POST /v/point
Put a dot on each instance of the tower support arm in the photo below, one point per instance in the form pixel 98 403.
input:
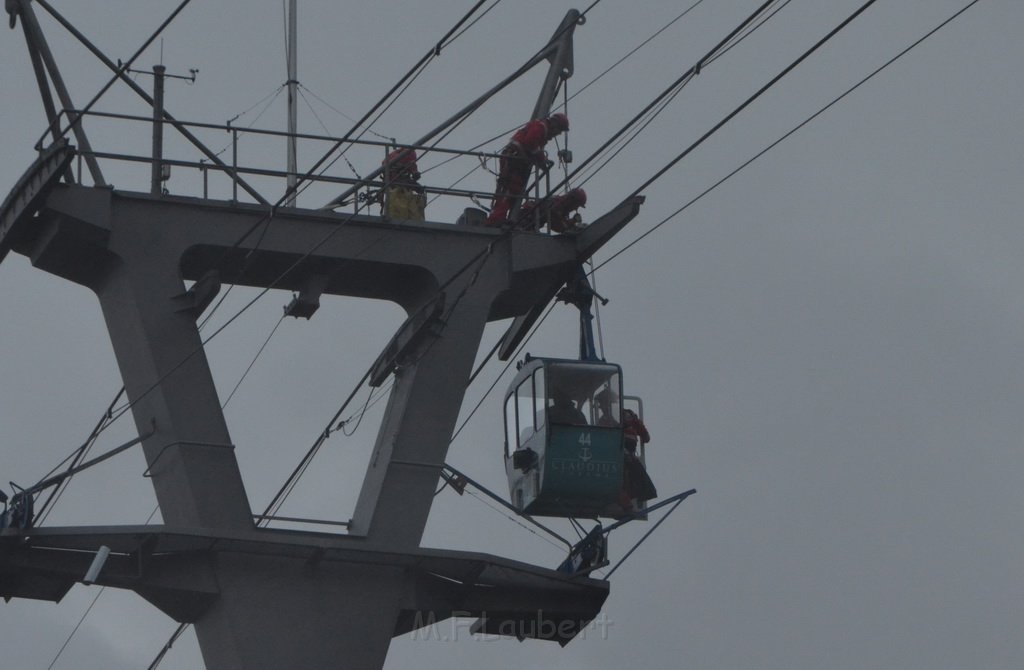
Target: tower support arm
pixel 412 443
pixel 37 41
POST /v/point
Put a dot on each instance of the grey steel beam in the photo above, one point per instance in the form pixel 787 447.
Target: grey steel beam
pixel 123 76
pixel 44 87
pixel 313 598
pixel 30 191
pixel 37 41
pixel 559 53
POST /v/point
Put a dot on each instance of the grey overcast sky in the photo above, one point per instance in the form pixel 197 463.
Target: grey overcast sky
pixel 828 345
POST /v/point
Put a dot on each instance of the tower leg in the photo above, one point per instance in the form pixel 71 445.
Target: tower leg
pixel 190 457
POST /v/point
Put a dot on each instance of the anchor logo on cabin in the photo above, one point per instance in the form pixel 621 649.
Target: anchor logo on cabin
pixel 585 454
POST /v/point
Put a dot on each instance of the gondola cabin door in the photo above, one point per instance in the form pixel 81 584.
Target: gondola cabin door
pixel 563 438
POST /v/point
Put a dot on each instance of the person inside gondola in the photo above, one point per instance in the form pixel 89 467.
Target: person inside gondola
pixel 563 410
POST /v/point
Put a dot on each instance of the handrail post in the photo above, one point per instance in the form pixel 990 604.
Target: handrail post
pixel 234 164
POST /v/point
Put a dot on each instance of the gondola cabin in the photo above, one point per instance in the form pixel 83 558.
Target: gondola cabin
pixel 564 438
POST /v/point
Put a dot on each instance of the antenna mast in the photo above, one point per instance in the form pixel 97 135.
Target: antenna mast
pixel 293 84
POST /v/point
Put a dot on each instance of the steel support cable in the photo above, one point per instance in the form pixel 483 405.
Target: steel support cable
pixel 647 117
pixel 788 134
pixel 521 524
pixel 414 71
pixel 746 103
pixel 584 176
pixel 73 461
pixel 92 604
pixel 267 101
pixel 282 494
pixel 316 116
pixel 672 87
pixel 646 535
pixel 501 501
pixel 371 400
pixel 253 362
pixel 749 32
pixel 337 111
pixel 655 113
pixel 74 630
pixel 733 43
pixel 635 49
pixel 167 646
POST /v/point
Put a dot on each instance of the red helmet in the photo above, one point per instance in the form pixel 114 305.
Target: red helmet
pixel 557 123
pixel 578 197
pixel 402 160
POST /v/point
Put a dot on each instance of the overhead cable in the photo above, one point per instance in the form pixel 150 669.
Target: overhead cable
pixel 791 132
pixel 672 87
pixel 774 80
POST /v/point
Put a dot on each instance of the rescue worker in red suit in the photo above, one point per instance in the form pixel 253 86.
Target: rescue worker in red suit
pixel 636 483
pixel 523 152
pixel 557 213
